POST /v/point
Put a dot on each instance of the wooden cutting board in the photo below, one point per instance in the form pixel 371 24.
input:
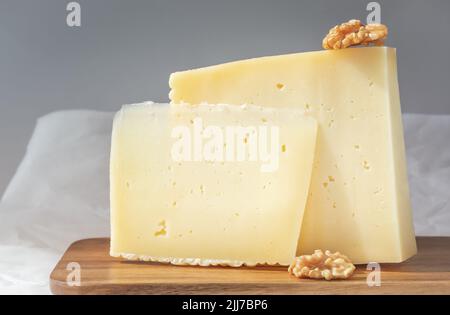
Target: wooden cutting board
pixel 426 273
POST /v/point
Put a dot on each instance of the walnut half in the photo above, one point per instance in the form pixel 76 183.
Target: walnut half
pixel 322 265
pixel 353 33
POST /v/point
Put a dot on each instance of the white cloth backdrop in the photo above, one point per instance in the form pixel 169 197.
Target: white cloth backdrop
pixel 60 191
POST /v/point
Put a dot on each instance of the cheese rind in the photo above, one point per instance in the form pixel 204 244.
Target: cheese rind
pixel 203 212
pixel 359 200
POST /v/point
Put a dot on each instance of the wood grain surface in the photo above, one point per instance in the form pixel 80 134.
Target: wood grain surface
pixel 426 273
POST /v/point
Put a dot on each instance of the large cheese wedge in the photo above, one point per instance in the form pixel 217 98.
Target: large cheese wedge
pixel 209 185
pixel 359 201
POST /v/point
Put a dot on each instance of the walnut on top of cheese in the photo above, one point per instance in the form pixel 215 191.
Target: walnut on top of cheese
pixel 353 33
pixel 322 265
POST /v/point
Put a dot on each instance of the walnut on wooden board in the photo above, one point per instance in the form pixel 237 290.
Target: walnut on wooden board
pixel 322 265
pixel 353 33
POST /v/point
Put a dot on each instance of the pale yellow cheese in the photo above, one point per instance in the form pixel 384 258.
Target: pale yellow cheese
pixel 359 200
pixel 200 209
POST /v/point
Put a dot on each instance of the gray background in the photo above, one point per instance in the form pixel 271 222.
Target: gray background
pixel 124 51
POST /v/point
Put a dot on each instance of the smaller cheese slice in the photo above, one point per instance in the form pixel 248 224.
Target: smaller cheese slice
pixel 209 185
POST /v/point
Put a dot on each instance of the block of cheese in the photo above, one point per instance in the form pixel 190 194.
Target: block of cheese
pixel 209 185
pixel 359 200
